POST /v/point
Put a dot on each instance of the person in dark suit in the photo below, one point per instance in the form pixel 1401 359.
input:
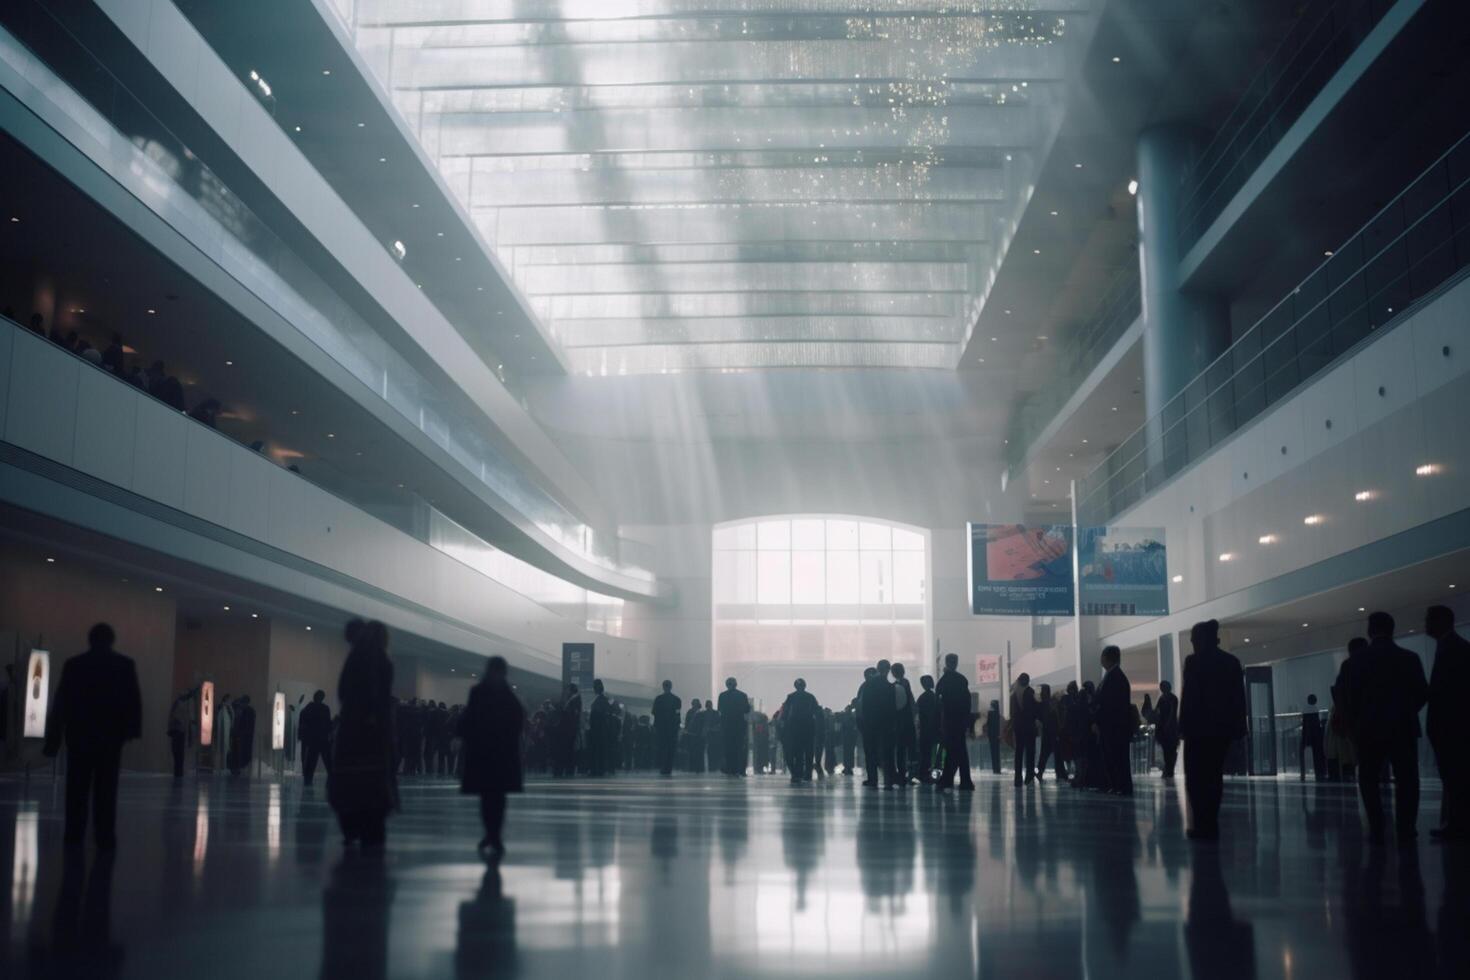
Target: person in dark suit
pixel 1211 717
pixel 1023 729
pixel 600 733
pixel 242 736
pixel 1449 682
pixel 314 732
pixel 1385 691
pixel 694 736
pixel 1048 723
pixel 953 690
pixel 1113 717
pixel 992 735
pixel 905 749
pixel 879 713
pixel 1312 740
pixel 799 719
pixel 97 708
pixel 926 706
pixel 666 727
pixel 734 707
pixel 491 726
pixel 1166 726
pixel 362 784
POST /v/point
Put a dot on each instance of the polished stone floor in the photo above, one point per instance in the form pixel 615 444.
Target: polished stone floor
pixel 703 877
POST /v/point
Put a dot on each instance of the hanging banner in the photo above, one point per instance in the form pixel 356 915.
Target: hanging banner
pixel 38 693
pixel 1021 570
pixel 987 670
pixel 206 713
pixel 278 722
pixel 577 665
pixel 1123 571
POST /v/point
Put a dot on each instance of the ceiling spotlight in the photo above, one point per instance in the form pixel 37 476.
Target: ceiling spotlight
pixel 158 588
pixel 1077 166
pixel 382 159
pixel 255 615
pixel 1226 555
pixel 326 71
pixel 1363 495
pixel 297 128
pixel 50 561
pixel 1328 253
pixel 1036 251
pixel 229 363
pixel 1305 625
pixel 14 220
pixel 400 251
pixel 439 234
pixel 1267 539
pixel 1426 469
pixel 1133 188
pixel 361 125
pixel 331 435
pixel 1312 520
pixel 1054 214
pixel 1117 60
pixel 226 608
pixel 308 629
pixel 151 311
pixel 1177 579
pixel 1362 609
pixel 1247 639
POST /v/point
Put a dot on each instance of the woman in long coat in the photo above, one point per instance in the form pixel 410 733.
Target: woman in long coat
pixel 362 786
pixel 491 728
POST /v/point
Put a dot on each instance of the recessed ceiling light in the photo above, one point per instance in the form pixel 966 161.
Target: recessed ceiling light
pixel 1267 539
pixel 1363 495
pixel 1116 59
pixel 1362 609
pixel 1007 312
pixel 382 159
pixel 308 629
pixel 331 435
pixel 295 412
pixel 993 339
pixel 297 128
pixel 1077 166
pixel 1426 469
pixel 1247 639
pixel 151 311
pixel 1132 188
pixel 326 71
pixel 439 234
pixel 1084 442
pixel 226 608
pixel 980 360
pixel 1226 555
pixel 229 363
pixel 1305 625
pixel 255 615
pixel 1328 253
pixel 361 125
pixel 413 205
pixel 1178 578
pixel 1115 408
pixel 1054 214
pixel 14 220
pixel 51 561
pixel 1036 251
pixel 1311 520
pixel 158 588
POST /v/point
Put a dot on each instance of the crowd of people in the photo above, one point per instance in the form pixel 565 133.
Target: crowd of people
pixel 905 740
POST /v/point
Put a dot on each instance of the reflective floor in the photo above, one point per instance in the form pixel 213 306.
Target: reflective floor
pixel 700 877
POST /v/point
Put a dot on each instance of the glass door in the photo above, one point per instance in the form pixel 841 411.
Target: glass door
pixel 1260 703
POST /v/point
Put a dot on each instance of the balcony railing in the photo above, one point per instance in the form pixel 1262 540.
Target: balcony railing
pixel 1417 242
pixel 1317 45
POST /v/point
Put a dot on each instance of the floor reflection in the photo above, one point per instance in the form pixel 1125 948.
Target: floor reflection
pixel 713 877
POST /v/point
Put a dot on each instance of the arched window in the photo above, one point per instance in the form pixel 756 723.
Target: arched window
pixel 819 597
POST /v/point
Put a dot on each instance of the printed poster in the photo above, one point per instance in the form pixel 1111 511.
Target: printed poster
pixel 1021 570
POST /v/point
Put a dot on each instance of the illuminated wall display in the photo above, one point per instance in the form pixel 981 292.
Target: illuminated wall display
pixel 38 693
pixel 206 713
pixel 278 722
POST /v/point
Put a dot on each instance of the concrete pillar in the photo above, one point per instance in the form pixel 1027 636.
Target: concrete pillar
pixel 1168 660
pixel 1182 332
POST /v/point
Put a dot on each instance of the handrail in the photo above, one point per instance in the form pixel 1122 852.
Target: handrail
pixel 1296 71
pixel 1412 245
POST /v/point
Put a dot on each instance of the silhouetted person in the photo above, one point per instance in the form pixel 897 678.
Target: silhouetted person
pixel 1023 728
pixel 1048 727
pixel 992 735
pixel 1166 726
pixel 361 784
pixel 1449 685
pixel 694 736
pixel 38 325
pixel 905 749
pixel 571 731
pixel 1114 719
pixel 314 732
pixel 1312 740
pixel 600 733
pixel 1212 715
pixel 926 706
pixel 799 718
pixel 242 736
pixel 953 691
pixel 491 728
pixel 96 709
pixel 179 719
pixel 714 741
pixel 666 727
pixel 849 729
pixel 734 707
pixel 878 711
pixel 1385 690
pixel 112 357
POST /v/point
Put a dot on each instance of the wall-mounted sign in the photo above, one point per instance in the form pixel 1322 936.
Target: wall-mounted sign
pixel 987 670
pixel 278 722
pixel 577 665
pixel 38 693
pixel 206 713
pixel 1123 571
pixel 1021 570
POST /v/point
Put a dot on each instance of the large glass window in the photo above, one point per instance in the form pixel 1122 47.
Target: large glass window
pixel 817 597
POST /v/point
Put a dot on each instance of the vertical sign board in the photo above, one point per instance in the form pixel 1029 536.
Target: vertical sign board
pixel 1122 571
pixel 1021 570
pixel 577 665
pixel 206 713
pixel 278 722
pixel 38 693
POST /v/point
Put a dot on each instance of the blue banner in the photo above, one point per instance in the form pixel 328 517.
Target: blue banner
pixel 1021 570
pixel 1123 571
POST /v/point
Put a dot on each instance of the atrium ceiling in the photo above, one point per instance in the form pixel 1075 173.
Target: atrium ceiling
pixel 695 184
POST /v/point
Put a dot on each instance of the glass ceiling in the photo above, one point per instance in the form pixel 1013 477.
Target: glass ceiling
pixel 728 184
